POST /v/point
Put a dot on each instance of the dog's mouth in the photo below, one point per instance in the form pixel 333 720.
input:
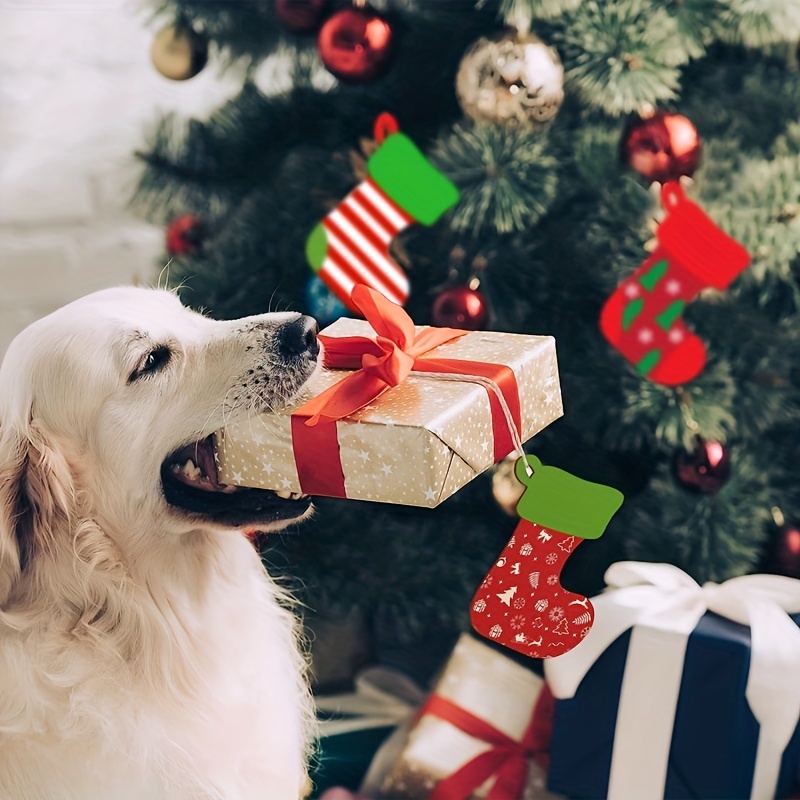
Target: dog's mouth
pixel 190 482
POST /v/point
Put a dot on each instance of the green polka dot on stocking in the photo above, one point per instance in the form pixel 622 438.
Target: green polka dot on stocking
pixel 670 314
pixel 648 362
pixel 654 275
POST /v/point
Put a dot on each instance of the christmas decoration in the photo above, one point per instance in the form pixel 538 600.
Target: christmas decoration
pixel 785 550
pixel 478 727
pixel 422 440
pixel 355 44
pixel 321 302
pixel 662 147
pixel 460 307
pixel 734 730
pixel 510 79
pixel 507 490
pixel 179 52
pixel 521 603
pixel 705 468
pixel 642 319
pixel 782 554
pixel 351 245
pixel 300 16
pixel 185 235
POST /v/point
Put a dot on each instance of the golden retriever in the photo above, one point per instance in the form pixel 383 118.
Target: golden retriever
pixel 145 654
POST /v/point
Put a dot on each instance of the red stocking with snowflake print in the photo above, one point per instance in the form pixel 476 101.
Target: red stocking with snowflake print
pixel 521 603
pixel 522 600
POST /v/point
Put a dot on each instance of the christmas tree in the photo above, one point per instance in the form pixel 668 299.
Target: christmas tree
pixel 558 121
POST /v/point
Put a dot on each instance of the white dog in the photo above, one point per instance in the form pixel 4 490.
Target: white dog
pixel 144 652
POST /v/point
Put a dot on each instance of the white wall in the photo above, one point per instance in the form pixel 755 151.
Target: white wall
pixel 76 92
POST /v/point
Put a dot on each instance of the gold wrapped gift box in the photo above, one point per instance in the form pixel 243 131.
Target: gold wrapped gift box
pixel 420 441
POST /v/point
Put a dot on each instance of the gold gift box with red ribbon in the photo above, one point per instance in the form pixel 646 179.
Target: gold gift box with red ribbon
pixel 478 736
pixel 403 414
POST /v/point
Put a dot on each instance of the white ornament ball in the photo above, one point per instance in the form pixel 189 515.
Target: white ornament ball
pixel 511 79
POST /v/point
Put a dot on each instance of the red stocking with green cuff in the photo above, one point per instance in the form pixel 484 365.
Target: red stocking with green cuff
pixel 642 319
pixel 521 603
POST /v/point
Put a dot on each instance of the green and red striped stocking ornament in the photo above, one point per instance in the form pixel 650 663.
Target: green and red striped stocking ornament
pixel 643 318
pixel 351 245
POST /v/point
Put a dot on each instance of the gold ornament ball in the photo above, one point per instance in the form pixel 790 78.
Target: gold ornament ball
pixel 507 490
pixel 512 79
pixel 179 52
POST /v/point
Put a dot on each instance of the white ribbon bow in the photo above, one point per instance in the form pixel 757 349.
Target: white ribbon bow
pixel 383 697
pixel 664 605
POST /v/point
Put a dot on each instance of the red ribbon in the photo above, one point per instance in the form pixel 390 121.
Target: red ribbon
pixel 379 365
pixel 508 758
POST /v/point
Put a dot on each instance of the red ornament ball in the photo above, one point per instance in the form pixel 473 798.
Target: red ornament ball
pixel 300 16
pixel 185 235
pixel 460 307
pixel 705 468
pixel 785 551
pixel 663 147
pixel 355 44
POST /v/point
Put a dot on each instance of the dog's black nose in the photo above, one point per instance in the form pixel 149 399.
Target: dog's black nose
pixel 298 337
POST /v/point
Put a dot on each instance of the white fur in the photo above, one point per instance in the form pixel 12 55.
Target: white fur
pixel 143 655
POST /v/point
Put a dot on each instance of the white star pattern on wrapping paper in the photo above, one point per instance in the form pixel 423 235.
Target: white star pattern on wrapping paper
pixel 364 456
pixel 631 290
pixel 386 469
pixel 675 335
pixel 286 483
pixel 645 336
pixel 267 467
pixel 430 494
pixel 237 477
pixel 258 437
pixel 672 287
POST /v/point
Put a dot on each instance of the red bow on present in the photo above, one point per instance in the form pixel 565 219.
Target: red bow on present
pixel 380 364
pixel 507 758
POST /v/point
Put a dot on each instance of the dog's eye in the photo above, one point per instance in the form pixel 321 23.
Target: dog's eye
pixel 154 361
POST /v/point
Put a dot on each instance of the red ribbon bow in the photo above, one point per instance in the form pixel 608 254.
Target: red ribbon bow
pixel 380 364
pixel 507 758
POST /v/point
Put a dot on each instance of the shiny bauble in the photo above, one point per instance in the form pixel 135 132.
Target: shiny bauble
pixel 506 488
pixel 784 551
pixel 460 307
pixel 185 235
pixel 663 147
pixel 179 52
pixel 355 44
pixel 705 468
pixel 300 16
pixel 322 304
pixel 512 79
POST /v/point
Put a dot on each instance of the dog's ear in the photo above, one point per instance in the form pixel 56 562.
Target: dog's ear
pixel 37 498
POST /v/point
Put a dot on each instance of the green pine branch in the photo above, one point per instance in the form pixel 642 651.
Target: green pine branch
pixel 507 177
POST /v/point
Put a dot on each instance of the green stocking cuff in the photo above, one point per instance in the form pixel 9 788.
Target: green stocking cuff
pixel 401 170
pixel 556 499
